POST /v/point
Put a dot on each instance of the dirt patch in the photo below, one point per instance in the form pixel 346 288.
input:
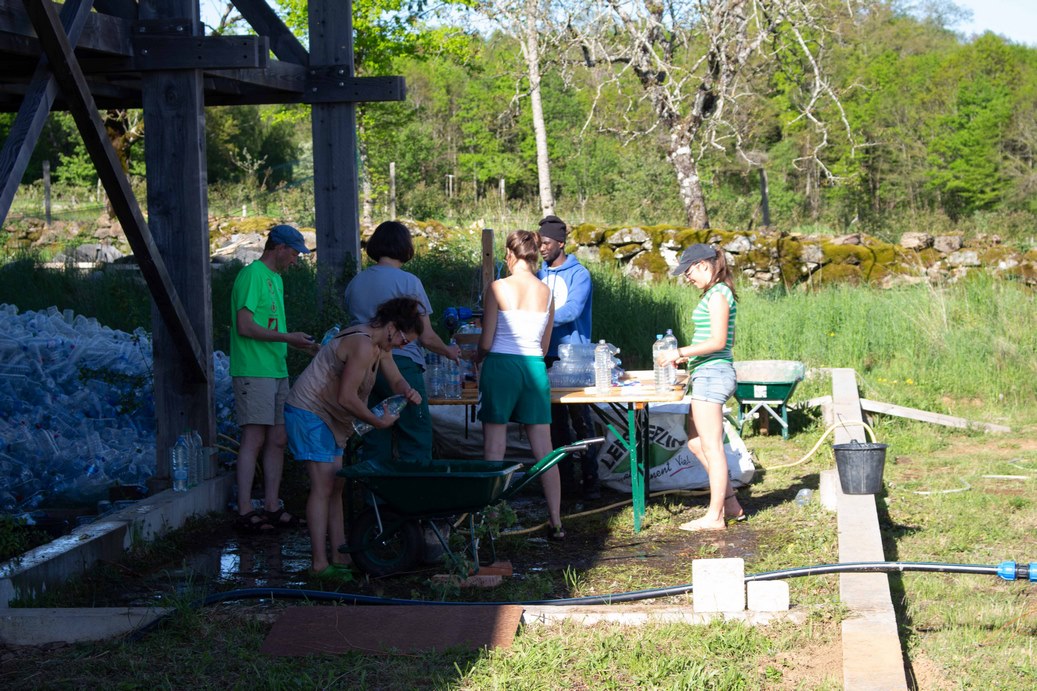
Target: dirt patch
pixel 811 666
pixel 925 674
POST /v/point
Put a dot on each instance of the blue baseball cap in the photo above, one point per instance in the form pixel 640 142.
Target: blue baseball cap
pixel 287 235
pixel 694 254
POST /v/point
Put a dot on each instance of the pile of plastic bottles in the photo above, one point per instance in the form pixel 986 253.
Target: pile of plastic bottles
pixel 77 413
pixel 575 365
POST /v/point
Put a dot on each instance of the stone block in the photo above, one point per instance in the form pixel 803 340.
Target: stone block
pixel 916 241
pixel 945 244
pixel 767 596
pixel 719 585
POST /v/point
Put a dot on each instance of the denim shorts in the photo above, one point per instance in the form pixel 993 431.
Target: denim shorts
pixel 309 439
pixel 713 382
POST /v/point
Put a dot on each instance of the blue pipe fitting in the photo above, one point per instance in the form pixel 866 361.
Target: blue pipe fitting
pixel 1009 571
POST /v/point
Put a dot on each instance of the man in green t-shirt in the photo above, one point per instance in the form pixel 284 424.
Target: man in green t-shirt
pixel 258 346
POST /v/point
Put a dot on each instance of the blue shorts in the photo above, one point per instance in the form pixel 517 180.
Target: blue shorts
pixel 309 439
pixel 713 382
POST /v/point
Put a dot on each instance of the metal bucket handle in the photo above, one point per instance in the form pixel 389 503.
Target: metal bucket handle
pixel 548 462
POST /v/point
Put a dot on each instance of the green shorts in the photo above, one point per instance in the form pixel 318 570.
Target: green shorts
pixel 514 388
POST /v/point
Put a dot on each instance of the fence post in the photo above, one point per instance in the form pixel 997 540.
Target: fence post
pixel 46 192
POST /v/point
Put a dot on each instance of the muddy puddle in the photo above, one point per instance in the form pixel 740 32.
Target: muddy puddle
pixel 216 558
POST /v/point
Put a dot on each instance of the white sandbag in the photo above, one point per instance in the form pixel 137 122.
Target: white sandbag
pixel 450 439
pixel 670 464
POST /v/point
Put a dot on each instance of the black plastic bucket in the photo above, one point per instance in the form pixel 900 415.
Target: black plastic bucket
pixel 860 467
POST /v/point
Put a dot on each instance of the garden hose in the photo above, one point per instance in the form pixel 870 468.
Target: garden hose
pixel 1006 570
pixel 841 423
pixel 591 512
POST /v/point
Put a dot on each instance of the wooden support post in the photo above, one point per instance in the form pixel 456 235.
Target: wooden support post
pixel 174 117
pixel 334 155
pixel 32 115
pixel 70 78
pixel 488 260
pixel 392 190
pixel 46 193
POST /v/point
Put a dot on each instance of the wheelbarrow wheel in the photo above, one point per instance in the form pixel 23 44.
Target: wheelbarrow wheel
pixel 381 554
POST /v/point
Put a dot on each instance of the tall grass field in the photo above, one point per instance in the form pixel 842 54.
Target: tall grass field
pixel 954 349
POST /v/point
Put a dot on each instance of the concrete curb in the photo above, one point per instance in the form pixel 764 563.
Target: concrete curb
pixel 32 626
pixel 108 539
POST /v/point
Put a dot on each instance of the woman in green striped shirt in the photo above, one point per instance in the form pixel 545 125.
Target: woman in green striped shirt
pixel 712 377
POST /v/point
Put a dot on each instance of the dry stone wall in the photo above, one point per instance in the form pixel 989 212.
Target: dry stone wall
pixel 765 259
pixel 770 258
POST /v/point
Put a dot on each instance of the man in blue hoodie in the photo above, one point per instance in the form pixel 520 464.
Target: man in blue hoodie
pixel 570 284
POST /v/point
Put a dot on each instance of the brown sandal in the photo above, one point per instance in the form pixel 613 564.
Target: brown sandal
pixel 254 522
pixel 282 519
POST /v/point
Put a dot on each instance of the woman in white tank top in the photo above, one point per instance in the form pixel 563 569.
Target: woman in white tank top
pixel 518 313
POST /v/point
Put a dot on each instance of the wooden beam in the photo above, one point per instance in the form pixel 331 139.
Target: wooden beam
pixel 32 115
pixel 329 84
pixel 73 85
pixel 199 52
pixel 336 207
pixel 174 150
pixel 266 23
pixel 103 33
pixel 926 416
pixel 125 9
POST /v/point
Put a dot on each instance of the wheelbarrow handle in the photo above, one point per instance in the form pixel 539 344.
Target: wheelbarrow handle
pixel 546 463
pixel 582 444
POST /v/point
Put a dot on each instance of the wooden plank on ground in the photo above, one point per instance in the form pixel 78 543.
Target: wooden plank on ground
pixel 846 406
pixel 872 658
pixel 926 416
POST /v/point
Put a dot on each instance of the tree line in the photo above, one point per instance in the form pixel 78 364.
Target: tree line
pixel 730 113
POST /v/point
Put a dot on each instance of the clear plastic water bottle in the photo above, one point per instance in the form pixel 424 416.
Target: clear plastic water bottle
pixel 180 461
pixel 451 377
pixel 393 404
pixel 330 333
pixel 803 496
pixel 658 369
pixel 196 471
pixel 671 345
pixel 602 367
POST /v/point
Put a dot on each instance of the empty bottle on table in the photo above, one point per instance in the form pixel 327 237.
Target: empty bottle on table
pixel 658 369
pixel 602 367
pixel 393 404
pixel 180 460
pixel 671 345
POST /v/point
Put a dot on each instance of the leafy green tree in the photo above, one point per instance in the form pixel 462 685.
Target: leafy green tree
pixel 966 156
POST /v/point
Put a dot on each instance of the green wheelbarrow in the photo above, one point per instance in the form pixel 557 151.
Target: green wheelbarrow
pixel 766 384
pixel 389 535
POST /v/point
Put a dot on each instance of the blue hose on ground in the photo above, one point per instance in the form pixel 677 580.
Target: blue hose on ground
pixel 1007 570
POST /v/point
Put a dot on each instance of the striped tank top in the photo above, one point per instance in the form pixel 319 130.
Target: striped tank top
pixel 700 320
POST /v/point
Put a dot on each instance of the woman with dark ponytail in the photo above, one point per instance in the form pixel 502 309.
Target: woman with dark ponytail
pixel 518 313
